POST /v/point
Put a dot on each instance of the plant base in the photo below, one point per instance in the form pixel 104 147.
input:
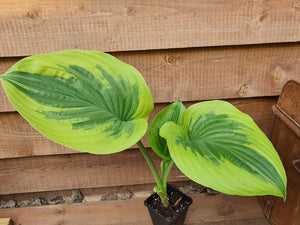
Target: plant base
pixel 175 213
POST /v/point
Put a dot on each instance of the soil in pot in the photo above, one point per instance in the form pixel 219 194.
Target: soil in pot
pixel 175 213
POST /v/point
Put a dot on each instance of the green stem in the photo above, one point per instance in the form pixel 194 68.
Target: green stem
pixel 167 166
pixel 150 163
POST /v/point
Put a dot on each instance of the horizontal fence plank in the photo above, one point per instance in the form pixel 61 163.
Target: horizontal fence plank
pixel 209 210
pixel 34 27
pixel 207 73
pixel 64 172
pixel 19 139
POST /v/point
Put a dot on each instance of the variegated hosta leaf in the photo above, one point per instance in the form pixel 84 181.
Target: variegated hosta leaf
pixel 89 101
pixel 222 148
pixel 174 113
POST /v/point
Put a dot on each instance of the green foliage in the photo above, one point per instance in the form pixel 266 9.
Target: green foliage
pixel 222 148
pixel 174 113
pixel 93 102
pixel 99 105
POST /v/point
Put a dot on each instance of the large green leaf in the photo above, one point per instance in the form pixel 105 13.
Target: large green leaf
pixel 222 148
pixel 86 100
pixel 174 113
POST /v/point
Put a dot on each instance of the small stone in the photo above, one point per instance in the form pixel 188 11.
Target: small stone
pixel 142 194
pixel 192 189
pixel 92 198
pixel 35 202
pixel 44 202
pixel 2 204
pixel 109 197
pixel 11 204
pixel 77 196
pixel 24 203
pixel 212 191
pixel 8 204
pixel 68 200
pixel 56 200
pixel 125 196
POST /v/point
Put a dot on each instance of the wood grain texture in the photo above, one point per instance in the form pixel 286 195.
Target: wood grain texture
pixel 207 73
pixel 208 210
pixel 64 172
pixel 289 102
pixel 19 139
pixel 34 27
pixel 286 139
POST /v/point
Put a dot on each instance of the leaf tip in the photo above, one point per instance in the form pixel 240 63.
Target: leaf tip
pixel 284 194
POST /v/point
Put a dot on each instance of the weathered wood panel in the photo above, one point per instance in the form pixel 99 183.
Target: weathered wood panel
pixel 166 41
pixel 34 27
pixel 207 73
pixel 19 139
pixel 63 172
pixel 286 138
pixel 207 210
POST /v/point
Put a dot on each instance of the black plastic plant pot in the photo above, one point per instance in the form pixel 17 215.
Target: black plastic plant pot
pixel 175 213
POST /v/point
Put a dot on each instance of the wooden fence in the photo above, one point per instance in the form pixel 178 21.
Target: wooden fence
pixel 242 51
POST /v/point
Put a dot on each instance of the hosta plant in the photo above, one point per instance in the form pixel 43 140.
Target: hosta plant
pixel 93 102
